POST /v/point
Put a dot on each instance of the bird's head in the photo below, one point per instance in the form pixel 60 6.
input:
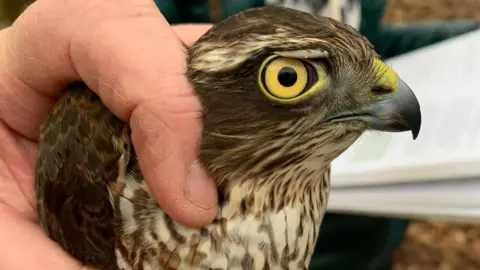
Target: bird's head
pixel 281 87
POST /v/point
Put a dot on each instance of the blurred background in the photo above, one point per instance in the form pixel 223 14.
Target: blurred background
pixel 428 245
pixel 401 11
pixel 398 11
pixel 439 245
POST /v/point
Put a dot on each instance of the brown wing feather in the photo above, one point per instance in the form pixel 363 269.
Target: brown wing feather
pixel 77 161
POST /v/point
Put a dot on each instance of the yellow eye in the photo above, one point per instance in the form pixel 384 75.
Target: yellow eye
pixel 286 79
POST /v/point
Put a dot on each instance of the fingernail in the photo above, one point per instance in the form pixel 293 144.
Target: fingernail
pixel 201 189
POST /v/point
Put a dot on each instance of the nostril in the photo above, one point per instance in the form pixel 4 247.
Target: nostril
pixel 378 90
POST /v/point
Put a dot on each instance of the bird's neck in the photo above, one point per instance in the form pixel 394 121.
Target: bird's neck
pixel 303 189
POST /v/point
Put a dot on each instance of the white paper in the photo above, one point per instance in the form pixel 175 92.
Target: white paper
pixel 452 200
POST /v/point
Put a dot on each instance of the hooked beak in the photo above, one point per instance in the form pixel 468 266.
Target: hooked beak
pixel 395 110
pixel 400 112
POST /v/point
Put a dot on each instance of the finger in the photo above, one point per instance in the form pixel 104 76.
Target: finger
pixel 127 53
pixel 24 246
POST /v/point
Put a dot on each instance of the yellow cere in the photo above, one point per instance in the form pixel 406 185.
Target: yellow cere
pixel 387 77
pixel 274 90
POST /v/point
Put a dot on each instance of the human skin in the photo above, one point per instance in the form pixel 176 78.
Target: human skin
pixel 127 53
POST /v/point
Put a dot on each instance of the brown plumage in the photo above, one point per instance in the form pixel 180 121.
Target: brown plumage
pixel 284 93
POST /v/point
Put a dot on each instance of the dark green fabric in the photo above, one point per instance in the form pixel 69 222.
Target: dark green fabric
pixel 169 10
pixel 352 242
pixel 348 242
pixel 196 11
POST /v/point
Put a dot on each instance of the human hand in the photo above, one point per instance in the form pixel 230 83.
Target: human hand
pixel 127 53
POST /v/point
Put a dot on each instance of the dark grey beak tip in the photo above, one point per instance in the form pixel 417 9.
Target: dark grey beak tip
pixel 414 117
pixel 416 128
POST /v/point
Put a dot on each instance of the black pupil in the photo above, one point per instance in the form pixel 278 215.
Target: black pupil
pixel 287 76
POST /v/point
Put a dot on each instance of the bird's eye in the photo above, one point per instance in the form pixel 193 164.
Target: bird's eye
pixel 286 79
